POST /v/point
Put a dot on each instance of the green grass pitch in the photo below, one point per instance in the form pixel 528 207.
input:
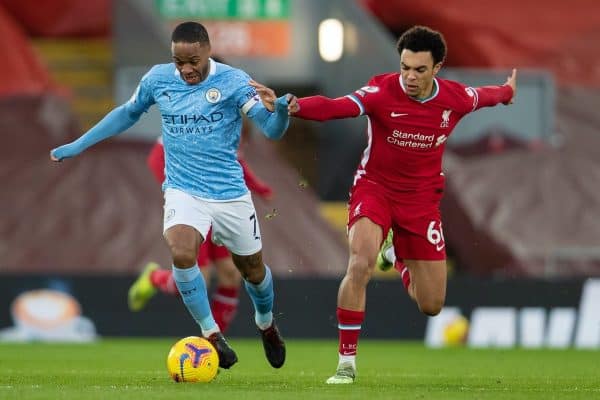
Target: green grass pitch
pixel 135 369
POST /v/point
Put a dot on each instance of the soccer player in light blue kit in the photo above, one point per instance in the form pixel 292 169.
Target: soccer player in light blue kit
pixel 201 102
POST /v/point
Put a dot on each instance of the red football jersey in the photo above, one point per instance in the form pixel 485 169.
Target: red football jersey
pixel 406 136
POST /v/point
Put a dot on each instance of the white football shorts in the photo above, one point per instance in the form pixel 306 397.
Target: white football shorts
pixel 234 222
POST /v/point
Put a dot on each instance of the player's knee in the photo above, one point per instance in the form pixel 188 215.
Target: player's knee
pixel 182 256
pixel 251 267
pixel 432 306
pixel 358 269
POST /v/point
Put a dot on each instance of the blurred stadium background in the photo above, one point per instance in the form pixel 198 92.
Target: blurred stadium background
pixel 520 207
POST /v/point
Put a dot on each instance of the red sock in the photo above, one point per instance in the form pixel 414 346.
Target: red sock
pixel 349 323
pixel 224 306
pixel 162 279
pixel 404 273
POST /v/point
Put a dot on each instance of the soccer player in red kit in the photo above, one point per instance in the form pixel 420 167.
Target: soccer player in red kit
pixel 399 182
pixel 153 278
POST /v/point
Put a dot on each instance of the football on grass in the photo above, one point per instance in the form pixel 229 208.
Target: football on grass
pixel 193 359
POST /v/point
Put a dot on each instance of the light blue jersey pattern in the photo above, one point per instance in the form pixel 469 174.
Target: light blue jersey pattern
pixel 201 127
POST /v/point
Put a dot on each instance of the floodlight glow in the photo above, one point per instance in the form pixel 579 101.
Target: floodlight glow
pixel 331 39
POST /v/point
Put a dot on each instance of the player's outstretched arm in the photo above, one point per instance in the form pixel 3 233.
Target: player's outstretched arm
pixel 272 124
pixel 115 122
pixel 271 113
pixel 321 108
pixel 487 96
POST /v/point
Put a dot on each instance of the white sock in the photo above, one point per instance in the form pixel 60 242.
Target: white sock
pixel 348 359
pixel 208 332
pixel 390 255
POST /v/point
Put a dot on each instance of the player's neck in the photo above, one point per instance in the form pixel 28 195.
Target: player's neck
pixel 429 92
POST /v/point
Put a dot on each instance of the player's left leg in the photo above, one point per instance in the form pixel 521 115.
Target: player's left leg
pixel 239 216
pixel 428 283
pixel 258 282
pixel 420 249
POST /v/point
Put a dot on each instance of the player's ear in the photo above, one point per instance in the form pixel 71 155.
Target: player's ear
pixel 437 67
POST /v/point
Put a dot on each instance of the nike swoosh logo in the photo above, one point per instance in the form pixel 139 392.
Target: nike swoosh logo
pixel 395 114
pixel 440 246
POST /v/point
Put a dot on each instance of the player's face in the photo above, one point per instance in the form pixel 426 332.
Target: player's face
pixel 191 60
pixel 417 71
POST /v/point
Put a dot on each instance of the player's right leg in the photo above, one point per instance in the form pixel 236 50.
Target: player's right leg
pixel 185 225
pixel 224 299
pixel 365 239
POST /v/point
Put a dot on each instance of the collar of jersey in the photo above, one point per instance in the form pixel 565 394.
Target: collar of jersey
pixel 212 69
pixel 436 90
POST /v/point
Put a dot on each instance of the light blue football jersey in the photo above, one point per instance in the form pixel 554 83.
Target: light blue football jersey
pixel 201 127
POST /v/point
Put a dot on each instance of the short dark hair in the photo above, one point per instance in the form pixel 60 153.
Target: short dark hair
pixel 422 38
pixel 190 32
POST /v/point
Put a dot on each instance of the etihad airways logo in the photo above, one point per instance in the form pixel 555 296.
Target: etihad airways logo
pixel 184 119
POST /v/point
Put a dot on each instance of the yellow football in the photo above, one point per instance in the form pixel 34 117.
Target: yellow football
pixel 456 331
pixel 193 359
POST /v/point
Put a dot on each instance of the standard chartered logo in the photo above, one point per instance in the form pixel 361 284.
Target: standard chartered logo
pixel 411 140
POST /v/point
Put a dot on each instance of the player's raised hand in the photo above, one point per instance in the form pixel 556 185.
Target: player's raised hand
pixel 512 82
pixel 266 94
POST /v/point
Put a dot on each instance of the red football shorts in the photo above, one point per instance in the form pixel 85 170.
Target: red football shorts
pixel 415 219
pixel 210 252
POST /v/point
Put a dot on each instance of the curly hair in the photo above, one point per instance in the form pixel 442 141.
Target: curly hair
pixel 422 38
